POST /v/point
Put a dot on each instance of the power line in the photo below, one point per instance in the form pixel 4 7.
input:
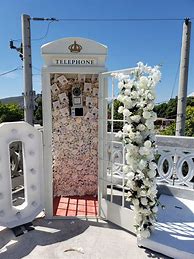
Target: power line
pixel 47 29
pixel 10 71
pixel 46 33
pixel 121 19
pixel 98 20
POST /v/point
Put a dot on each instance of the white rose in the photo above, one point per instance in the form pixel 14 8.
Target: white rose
pixel 151 203
pixel 147 144
pixel 120 85
pixel 126 112
pixel 143 82
pixel 146 115
pixel 150 125
pixel 144 151
pixel 155 209
pixel 127 92
pixel 126 128
pixel 138 218
pixel 141 127
pixel 131 135
pixel 120 98
pixel 142 164
pixel 153 116
pixel 140 175
pixel 150 106
pixel 134 95
pixel 151 96
pixel 129 84
pixel 144 201
pixel 152 191
pixel 152 166
pixel 121 109
pixel 144 233
pixel 119 134
pixel 143 193
pixel 136 118
pixel 138 137
pixel 151 173
pixel 146 182
pixel 134 166
pixel 130 161
pixel 130 176
pixel 135 202
pixel 128 102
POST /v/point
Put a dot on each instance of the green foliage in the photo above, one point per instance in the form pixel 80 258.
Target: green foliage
pixel 164 110
pixel 170 130
pixel 10 112
pixel 116 116
pixel 168 110
pixel 189 127
pixel 189 124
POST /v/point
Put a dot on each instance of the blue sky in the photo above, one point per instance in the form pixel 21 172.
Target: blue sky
pixel 153 42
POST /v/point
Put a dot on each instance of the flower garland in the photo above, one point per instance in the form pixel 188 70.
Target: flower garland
pixel 137 94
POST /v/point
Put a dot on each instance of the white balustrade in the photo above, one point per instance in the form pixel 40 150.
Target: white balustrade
pixel 174 156
pixel 175 160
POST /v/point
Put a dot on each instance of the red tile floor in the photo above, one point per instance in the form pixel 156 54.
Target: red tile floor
pixel 75 206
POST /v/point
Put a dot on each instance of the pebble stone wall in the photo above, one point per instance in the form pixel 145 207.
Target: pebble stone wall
pixel 75 139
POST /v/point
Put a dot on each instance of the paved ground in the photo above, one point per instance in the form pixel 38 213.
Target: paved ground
pixel 72 239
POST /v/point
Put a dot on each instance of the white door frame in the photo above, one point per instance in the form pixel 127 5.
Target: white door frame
pixel 108 209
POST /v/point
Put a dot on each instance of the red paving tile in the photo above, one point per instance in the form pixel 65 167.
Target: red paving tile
pixel 64 199
pixel 81 208
pixel 61 212
pixel 73 201
pixel 81 202
pixel 75 206
pixel 63 205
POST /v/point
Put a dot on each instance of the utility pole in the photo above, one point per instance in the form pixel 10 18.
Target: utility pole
pixel 183 79
pixel 27 67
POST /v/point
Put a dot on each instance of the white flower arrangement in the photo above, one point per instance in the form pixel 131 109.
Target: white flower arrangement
pixel 137 94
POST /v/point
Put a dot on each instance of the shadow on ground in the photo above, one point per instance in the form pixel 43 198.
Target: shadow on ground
pixel 46 232
pixel 72 238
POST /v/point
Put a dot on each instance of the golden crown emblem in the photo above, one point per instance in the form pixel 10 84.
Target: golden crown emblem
pixel 76 48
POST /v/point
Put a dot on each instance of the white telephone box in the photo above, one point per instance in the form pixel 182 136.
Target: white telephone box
pixel 70 85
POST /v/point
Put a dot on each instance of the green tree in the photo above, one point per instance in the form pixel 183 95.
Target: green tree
pixel 169 110
pixel 117 125
pixel 10 112
pixel 189 124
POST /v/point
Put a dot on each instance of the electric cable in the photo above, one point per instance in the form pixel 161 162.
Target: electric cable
pixel 10 71
pixel 41 38
pixel 99 20
pixel 121 19
pixel 46 33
